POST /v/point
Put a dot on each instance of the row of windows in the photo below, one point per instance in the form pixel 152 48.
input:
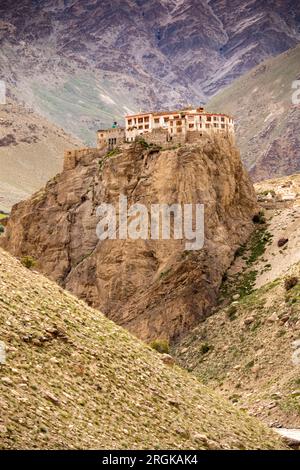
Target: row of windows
pixel 166 119
pixel 191 126
pixel 137 120
pixel 207 126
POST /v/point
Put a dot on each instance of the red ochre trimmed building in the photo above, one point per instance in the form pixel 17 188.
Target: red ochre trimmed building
pixel 168 127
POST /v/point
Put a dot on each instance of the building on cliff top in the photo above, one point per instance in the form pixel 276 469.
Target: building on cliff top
pixel 168 127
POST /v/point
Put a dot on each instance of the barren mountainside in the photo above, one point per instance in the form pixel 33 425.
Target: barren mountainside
pixel 249 348
pixel 31 152
pixel 153 288
pixel 74 380
pixel 267 121
pixel 82 64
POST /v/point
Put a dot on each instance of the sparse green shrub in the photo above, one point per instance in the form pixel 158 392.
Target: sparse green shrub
pixel 259 218
pixel 113 152
pixel 142 142
pixel 290 282
pixel 266 192
pixel 28 262
pixel 164 274
pixel 258 243
pixel 231 312
pixel 250 364
pixel 240 251
pixel 204 348
pixel 225 277
pixel 160 345
pixel 1 228
pixel 153 148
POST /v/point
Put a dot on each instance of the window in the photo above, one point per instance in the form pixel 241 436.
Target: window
pixel 207 126
pixel 146 119
pixel 166 119
pixel 216 125
pixel 222 119
pixel 146 126
pixel 140 120
pixel 178 123
pixel 129 122
pixel 223 126
pixel 176 117
pixel 208 118
pixel 171 123
pixel 156 120
pixel 191 126
pixel 216 118
pixel 179 130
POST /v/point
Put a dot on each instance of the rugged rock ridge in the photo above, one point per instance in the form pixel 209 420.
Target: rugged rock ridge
pixel 153 288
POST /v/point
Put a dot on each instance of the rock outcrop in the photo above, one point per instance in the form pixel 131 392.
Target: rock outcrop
pixel 155 288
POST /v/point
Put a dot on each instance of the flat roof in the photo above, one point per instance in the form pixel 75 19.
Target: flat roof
pixel 111 129
pixel 187 111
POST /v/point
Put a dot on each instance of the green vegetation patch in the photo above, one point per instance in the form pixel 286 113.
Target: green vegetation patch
pixel 243 283
pixel 160 345
pixel 28 262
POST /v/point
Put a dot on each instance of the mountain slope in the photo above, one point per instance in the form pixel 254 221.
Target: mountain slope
pixel 74 380
pixel 267 121
pixel 83 64
pixel 249 347
pixel 155 288
pixel 31 152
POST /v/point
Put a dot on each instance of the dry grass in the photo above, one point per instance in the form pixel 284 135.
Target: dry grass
pixel 251 358
pixel 73 379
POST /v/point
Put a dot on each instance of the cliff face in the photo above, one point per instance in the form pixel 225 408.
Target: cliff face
pixel 153 288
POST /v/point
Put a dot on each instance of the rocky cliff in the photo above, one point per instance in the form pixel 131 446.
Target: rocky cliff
pixel 154 288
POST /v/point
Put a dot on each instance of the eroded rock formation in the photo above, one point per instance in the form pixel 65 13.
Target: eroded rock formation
pixel 154 288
